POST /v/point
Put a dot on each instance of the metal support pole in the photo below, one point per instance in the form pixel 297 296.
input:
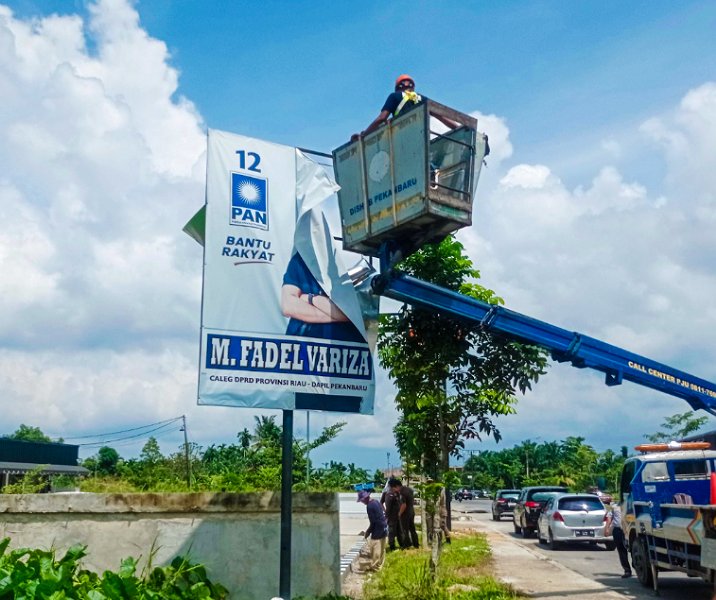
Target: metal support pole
pixel 308 449
pixel 286 463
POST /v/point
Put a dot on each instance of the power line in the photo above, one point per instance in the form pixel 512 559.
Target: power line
pixel 129 437
pixel 101 435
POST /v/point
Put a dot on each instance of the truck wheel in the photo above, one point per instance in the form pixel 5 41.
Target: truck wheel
pixel 640 561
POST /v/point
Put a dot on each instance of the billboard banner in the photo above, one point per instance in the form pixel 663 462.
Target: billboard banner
pixel 282 325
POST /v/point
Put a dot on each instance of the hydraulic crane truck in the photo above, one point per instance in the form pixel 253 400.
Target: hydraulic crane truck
pixel 405 185
pixel 669 510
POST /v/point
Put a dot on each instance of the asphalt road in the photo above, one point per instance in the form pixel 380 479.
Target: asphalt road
pixel 591 561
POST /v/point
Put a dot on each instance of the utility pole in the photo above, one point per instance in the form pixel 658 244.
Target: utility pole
pixel 186 452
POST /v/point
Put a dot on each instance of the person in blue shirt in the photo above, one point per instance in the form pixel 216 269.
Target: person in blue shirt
pixel 372 555
pixel 401 100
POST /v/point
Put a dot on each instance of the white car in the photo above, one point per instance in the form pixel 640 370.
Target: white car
pixel 574 518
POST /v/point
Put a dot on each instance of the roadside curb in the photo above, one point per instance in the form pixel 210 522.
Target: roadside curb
pixel 349 558
pixel 556 581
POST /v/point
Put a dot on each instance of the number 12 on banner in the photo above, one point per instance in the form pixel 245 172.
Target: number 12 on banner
pixel 254 159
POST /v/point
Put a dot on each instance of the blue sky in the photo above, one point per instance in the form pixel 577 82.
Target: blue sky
pixel 595 213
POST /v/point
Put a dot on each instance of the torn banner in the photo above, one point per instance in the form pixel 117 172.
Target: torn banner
pixel 281 321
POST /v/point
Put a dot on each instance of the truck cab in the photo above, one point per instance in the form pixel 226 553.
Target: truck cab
pixel 665 498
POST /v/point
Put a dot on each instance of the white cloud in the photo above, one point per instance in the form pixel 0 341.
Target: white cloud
pixel 101 166
pixel 687 137
pixel 498 135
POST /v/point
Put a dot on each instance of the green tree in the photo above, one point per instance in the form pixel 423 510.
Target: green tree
pixel 151 454
pixel 107 459
pixel 255 463
pixel 26 433
pixel 677 426
pixel 244 440
pixel 452 377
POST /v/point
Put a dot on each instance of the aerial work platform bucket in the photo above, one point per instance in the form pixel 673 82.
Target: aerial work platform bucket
pixel 406 184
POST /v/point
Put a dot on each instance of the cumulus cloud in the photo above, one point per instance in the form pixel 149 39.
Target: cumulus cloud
pixel 101 165
pixel 687 137
pixel 498 134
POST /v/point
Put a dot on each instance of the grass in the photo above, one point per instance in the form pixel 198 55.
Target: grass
pixel 463 574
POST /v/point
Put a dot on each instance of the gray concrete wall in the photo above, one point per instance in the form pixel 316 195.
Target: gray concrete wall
pixel 236 536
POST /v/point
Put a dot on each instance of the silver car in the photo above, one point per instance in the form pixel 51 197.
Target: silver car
pixel 574 518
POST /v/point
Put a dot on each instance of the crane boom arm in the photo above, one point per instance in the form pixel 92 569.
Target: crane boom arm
pixel 565 346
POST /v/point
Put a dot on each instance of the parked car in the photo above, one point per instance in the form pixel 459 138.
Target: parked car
pixel 573 518
pixel 504 503
pixel 530 504
pixel 463 494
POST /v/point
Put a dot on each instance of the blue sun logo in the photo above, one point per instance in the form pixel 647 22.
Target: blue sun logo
pixel 249 201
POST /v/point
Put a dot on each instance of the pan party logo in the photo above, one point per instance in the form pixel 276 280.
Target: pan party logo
pixel 249 201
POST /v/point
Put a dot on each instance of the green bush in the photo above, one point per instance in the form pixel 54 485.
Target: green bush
pixel 461 574
pixel 30 574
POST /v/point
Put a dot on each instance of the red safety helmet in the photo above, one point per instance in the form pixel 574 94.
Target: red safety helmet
pixel 402 78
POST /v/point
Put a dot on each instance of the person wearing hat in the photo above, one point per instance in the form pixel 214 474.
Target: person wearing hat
pixel 372 554
pixel 401 100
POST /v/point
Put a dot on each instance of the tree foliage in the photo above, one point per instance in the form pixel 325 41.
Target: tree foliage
pixel 253 463
pixel 677 427
pixel 453 377
pixel 26 433
pixel 569 462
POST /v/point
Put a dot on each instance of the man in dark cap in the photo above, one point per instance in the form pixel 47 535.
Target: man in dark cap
pixel 372 555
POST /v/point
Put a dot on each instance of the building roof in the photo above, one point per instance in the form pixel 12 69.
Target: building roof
pixel 39 453
pixel 18 468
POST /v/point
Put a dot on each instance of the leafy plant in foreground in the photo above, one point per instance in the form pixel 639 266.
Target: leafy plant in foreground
pixel 32 573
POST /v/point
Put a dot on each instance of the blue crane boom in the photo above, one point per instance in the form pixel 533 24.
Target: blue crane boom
pixel 404 185
pixel 580 350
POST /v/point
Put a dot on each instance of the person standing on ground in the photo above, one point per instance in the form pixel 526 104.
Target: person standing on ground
pixel 390 500
pixel 406 514
pixel 618 534
pixel 372 555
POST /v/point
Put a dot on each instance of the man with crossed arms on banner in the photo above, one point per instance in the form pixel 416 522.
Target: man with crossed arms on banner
pixel 311 312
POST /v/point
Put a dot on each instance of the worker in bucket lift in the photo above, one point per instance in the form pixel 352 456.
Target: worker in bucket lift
pixel 403 98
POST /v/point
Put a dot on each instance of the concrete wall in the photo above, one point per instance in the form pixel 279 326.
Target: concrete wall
pixel 236 536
